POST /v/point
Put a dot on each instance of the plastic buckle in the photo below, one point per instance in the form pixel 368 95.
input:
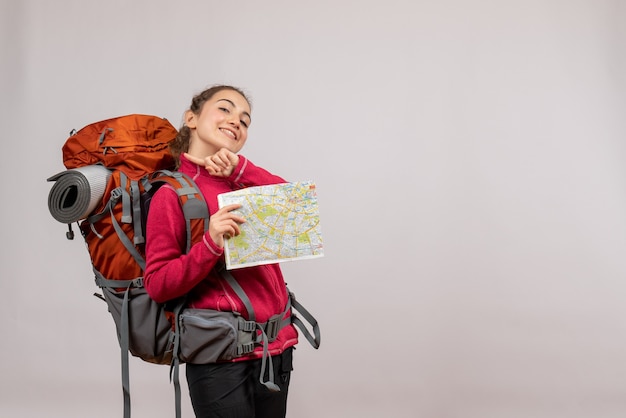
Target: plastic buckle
pixel 245 349
pixel 116 193
pixel 247 326
pixel 272 327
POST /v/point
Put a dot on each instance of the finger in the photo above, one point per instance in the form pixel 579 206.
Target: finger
pixel 227 156
pixel 231 230
pixel 235 217
pixel 233 159
pixel 224 153
pixel 195 160
pixel 221 161
pixel 230 207
pixel 215 168
pixel 212 168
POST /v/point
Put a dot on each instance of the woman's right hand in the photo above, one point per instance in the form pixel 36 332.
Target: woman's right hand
pixel 220 164
pixel 224 224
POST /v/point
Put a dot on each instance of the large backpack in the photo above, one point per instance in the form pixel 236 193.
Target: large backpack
pixel 114 166
pixel 113 169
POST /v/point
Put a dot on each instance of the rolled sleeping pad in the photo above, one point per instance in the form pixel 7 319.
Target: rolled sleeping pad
pixel 77 192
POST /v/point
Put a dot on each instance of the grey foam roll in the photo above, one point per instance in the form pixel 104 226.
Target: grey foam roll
pixel 77 192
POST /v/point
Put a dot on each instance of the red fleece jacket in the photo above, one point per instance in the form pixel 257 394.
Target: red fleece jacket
pixel 170 273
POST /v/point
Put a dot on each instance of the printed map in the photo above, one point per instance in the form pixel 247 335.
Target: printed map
pixel 282 224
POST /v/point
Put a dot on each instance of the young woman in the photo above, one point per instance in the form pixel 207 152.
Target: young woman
pixel 215 129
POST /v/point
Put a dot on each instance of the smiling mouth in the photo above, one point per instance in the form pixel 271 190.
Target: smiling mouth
pixel 229 133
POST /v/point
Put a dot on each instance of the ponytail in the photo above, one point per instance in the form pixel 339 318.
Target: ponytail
pixel 180 144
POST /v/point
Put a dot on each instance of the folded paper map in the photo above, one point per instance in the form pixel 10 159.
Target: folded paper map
pixel 282 224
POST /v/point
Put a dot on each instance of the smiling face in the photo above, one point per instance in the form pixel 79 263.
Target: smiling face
pixel 222 122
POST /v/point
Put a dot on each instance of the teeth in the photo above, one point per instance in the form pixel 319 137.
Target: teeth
pixel 229 133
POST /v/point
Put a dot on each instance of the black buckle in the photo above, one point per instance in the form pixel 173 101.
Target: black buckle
pixel 272 327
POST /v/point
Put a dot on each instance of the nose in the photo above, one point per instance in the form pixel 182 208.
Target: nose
pixel 234 121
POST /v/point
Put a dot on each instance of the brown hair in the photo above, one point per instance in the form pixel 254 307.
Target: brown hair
pixel 181 143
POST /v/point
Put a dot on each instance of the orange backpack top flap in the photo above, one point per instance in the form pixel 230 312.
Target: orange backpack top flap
pixel 135 144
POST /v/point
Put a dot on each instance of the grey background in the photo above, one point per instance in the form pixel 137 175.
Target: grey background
pixel 469 162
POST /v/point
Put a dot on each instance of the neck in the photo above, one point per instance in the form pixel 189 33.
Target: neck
pixel 200 149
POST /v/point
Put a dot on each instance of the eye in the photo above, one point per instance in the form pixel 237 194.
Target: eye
pixel 243 122
pixel 225 110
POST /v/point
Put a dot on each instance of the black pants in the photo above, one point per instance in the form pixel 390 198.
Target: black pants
pixel 233 390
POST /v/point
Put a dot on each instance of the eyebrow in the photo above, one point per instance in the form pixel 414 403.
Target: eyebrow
pixel 233 104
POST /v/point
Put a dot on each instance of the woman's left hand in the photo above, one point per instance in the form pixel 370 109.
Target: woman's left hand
pixel 220 164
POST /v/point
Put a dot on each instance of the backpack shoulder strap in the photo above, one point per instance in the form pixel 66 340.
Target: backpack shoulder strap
pixel 194 206
pixel 196 213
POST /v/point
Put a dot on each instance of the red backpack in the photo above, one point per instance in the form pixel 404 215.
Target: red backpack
pixel 133 153
pixel 113 169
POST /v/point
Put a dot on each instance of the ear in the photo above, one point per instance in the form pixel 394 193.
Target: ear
pixel 190 119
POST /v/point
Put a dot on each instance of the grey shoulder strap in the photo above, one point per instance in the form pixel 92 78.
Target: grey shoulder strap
pixel 234 284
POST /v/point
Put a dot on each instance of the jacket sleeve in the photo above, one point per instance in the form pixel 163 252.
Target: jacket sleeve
pixel 247 174
pixel 170 273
